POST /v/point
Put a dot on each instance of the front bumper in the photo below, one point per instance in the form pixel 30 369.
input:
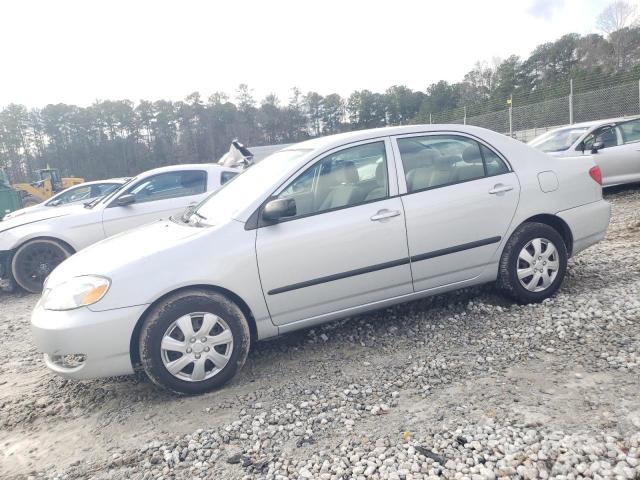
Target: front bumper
pixel 102 339
pixel 588 223
pixel 6 280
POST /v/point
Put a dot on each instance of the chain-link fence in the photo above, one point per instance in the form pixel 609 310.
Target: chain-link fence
pixel 525 122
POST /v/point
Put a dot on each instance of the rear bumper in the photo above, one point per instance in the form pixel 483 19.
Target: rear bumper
pixel 588 223
pixel 101 339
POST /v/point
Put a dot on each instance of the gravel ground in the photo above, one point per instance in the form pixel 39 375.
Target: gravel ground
pixel 465 385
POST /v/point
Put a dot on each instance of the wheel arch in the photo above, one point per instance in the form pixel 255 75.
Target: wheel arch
pixel 134 350
pixel 52 238
pixel 558 224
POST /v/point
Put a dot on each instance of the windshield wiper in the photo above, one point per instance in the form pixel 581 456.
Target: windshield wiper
pixel 92 203
pixel 186 217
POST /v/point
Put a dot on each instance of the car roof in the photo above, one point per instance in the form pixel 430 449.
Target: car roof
pixel 108 180
pixel 340 139
pixel 594 123
pixel 188 166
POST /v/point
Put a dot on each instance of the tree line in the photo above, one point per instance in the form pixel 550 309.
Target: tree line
pixel 120 138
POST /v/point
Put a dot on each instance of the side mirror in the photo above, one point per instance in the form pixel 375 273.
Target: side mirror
pixel 279 208
pixel 55 203
pixel 599 145
pixel 126 199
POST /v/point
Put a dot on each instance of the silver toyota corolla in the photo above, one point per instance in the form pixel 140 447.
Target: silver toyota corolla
pixel 614 144
pixel 324 229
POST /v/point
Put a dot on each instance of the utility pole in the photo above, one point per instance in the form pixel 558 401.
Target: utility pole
pixel 465 115
pixel 571 101
pixel 511 115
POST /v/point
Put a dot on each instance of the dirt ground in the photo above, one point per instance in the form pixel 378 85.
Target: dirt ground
pixel 455 362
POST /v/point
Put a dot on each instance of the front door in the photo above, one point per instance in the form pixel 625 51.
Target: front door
pixel 614 158
pixel 347 244
pixel 155 197
pixel 460 199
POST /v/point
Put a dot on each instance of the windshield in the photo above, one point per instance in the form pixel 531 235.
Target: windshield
pixel 241 191
pixel 558 140
pixel 110 194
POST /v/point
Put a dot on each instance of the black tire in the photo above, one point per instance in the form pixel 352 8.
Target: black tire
pixel 33 261
pixel 163 316
pixel 508 281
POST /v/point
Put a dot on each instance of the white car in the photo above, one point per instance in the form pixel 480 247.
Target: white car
pixel 327 228
pixel 614 144
pixel 32 245
pixel 85 192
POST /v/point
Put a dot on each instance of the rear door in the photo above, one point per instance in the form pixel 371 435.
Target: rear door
pixel 630 148
pixel 156 196
pixel 347 245
pixel 460 199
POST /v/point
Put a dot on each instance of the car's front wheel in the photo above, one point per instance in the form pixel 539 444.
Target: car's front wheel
pixel 194 341
pixel 533 263
pixel 32 263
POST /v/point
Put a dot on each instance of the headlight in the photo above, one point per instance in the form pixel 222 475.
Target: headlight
pixel 75 293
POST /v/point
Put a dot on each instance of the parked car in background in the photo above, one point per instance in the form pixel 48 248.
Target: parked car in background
pixel 32 245
pixel 614 144
pixel 82 193
pixel 324 229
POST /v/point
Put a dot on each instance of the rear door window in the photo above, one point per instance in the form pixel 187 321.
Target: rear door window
pixel 438 160
pixel 630 131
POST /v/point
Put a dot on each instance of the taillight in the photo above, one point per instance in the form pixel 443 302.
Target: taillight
pixel 596 174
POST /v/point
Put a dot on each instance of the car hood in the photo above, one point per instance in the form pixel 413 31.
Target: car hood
pixel 125 249
pixel 23 211
pixel 38 215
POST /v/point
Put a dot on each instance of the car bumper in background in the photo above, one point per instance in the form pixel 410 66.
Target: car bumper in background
pixel 4 265
pixel 84 344
pixel 588 223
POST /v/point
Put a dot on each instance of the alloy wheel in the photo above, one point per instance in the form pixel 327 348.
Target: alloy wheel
pixel 36 262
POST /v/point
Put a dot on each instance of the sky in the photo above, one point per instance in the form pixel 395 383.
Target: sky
pixel 77 52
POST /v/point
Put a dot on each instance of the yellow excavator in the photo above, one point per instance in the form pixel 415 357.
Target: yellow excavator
pixel 49 184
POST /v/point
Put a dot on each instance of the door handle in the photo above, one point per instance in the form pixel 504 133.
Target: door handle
pixel 382 214
pixel 500 188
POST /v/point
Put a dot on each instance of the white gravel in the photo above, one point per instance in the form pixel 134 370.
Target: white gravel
pixel 465 385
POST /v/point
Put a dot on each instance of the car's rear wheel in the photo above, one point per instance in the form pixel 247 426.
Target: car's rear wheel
pixel 32 263
pixel 533 263
pixel 194 341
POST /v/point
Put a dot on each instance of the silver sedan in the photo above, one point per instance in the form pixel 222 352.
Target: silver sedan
pixel 614 144
pixel 328 228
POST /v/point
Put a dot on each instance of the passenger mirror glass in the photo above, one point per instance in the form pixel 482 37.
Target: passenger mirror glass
pixel 279 208
pixel 599 145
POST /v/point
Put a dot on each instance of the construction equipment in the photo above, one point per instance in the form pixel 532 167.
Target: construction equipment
pixel 49 184
pixel 10 199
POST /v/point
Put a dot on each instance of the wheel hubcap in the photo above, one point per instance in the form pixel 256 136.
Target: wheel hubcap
pixel 538 265
pixel 196 346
